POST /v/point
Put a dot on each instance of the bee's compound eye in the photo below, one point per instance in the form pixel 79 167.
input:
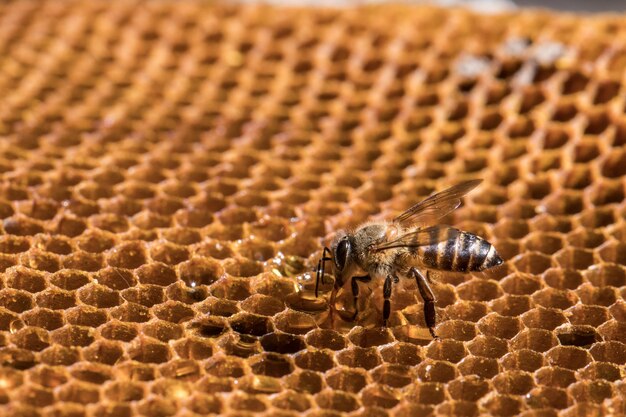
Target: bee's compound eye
pixel 341 254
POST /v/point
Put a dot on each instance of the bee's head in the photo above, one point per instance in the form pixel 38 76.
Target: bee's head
pixel 342 252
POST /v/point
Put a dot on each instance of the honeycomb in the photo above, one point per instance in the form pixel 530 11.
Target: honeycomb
pixel 171 169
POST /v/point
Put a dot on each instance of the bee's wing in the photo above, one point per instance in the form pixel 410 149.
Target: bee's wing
pixel 421 237
pixel 437 205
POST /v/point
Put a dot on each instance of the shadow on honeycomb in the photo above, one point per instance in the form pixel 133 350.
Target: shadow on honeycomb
pixel 169 171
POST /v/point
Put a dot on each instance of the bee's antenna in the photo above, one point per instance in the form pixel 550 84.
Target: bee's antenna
pixel 321 267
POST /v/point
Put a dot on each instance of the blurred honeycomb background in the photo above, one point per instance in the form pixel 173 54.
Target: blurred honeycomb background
pixel 169 171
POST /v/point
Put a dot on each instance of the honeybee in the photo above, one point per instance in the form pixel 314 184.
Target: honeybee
pixel 405 246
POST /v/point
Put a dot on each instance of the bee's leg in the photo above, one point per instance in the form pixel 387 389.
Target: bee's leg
pixel 355 291
pixel 387 295
pixel 321 267
pixel 429 300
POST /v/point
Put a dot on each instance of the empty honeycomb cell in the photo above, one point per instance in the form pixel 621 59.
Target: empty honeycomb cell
pixel 552 298
pixel 587 315
pixel 41 261
pixel 488 346
pixel 533 262
pixel 250 324
pixel 162 330
pixel 305 381
pixel 613 330
pixel 618 311
pixel 44 318
pixel 75 392
pixel 236 289
pixel 548 397
pixel 481 366
pixel 26 279
pixel 240 267
pixel 83 261
pixel 55 299
pixel 578 177
pixel 21 226
pixel 141 296
pixel 357 357
pixel 570 357
pixel 11 244
pixel 344 379
pixel 456 329
pixel 131 312
pixel 436 371
pixel 597 217
pixel 612 165
pixel 35 396
pixel 591 391
pixel 563 203
pixel 511 305
pixel 326 339
pixel 98 296
pixel 219 307
pixel 466 310
pixel 607 192
pixel 543 318
pixel 380 396
pixel 548 223
pixel 468 388
pixel 563 279
pixel 57 355
pixel 154 406
pixel 91 373
pixel 555 377
pixel 155 274
pixel 575 258
pixel 184 294
pixel 614 252
pixel 609 351
pixel 315 360
pixel 95 242
pixel 294 322
pixel 520 284
pixel 205 404
pixel 193 217
pixel 603 296
pixel 503 405
pixel 600 371
pixel 401 353
pixel 582 336
pixel 114 278
pixel 337 400
pixel 84 316
pixel 479 290
pixel 539 340
pixel 120 205
pixel 514 382
pixel 447 350
pixel 128 255
pixel 366 338
pixel 168 253
pixel 460 408
pixel 146 221
pixel 31 338
pixel 547 243
pixel 148 351
pixel 499 326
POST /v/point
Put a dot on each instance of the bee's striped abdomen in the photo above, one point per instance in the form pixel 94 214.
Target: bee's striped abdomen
pixel 458 252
